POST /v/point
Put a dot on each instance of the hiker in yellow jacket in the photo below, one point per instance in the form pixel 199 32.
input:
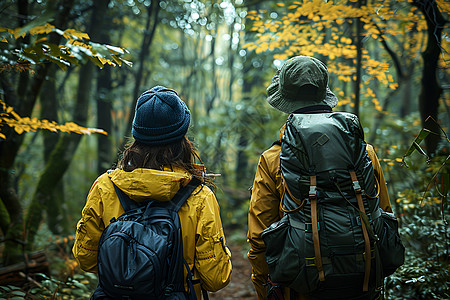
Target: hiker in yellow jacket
pixel 268 189
pixel 156 165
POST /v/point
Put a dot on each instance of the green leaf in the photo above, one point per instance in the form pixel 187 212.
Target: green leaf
pixel 32 58
pixel 96 61
pixel 116 50
pixel 415 145
pixel 128 63
pixel 61 63
pixel 18 293
pixel 117 60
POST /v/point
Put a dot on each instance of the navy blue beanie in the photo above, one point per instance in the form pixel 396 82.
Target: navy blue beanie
pixel 161 117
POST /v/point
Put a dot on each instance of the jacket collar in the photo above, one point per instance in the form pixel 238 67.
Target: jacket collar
pixel 141 184
pixel 314 109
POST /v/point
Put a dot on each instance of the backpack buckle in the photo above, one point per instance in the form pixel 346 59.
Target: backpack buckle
pixel 312 191
pixel 356 186
pixel 308 227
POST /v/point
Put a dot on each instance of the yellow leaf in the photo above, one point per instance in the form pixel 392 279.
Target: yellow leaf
pixel 2 136
pixel 76 33
pixel 47 28
pixel 280 4
pixel 340 21
pixel 104 61
pixel 393 86
pixel 18 129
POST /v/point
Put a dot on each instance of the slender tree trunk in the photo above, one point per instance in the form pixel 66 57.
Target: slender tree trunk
pixel 4 219
pixel 49 111
pixel 104 106
pixel 62 155
pixel 251 78
pixel 212 95
pixel 150 28
pixel 359 49
pixel 104 120
pixel 406 106
pixel 430 90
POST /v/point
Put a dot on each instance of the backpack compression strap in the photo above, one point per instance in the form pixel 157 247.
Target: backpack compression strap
pixel 315 228
pixel 300 203
pixel 367 254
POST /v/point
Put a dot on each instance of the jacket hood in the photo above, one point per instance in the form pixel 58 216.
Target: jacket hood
pixel 141 184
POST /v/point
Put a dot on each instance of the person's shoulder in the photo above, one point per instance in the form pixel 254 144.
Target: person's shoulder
pixel 270 158
pixel 202 195
pixel 273 151
pixel 103 182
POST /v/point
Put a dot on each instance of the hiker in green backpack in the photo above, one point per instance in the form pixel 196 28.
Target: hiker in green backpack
pixel 320 168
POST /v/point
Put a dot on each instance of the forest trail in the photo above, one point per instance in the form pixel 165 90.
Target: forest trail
pixel 241 286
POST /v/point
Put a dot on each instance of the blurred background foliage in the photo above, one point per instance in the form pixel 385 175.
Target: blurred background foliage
pixel 85 63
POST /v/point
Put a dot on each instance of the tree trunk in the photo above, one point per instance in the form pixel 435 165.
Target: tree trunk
pixel 63 153
pixel 359 49
pixel 104 106
pixel 152 13
pixel 104 120
pixel 29 91
pixel 251 78
pixel 49 111
pixel 12 230
pixel 212 96
pixel 430 90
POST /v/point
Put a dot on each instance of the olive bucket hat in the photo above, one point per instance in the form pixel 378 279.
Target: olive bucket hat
pixel 302 81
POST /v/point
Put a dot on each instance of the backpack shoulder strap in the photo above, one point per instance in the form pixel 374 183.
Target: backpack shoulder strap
pixel 184 193
pixel 127 203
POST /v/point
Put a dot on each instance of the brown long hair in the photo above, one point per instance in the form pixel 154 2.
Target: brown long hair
pixel 181 153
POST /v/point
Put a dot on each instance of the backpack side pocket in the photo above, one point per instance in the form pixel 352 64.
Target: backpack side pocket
pixel 285 255
pixel 392 251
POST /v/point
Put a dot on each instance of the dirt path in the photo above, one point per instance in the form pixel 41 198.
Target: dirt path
pixel 241 286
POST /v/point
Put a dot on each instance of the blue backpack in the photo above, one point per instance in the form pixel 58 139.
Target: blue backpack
pixel 140 254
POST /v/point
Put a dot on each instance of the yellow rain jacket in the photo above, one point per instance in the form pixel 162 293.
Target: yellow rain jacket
pixel 204 247
pixel 264 209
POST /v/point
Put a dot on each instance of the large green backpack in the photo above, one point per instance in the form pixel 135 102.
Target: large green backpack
pixel 325 246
